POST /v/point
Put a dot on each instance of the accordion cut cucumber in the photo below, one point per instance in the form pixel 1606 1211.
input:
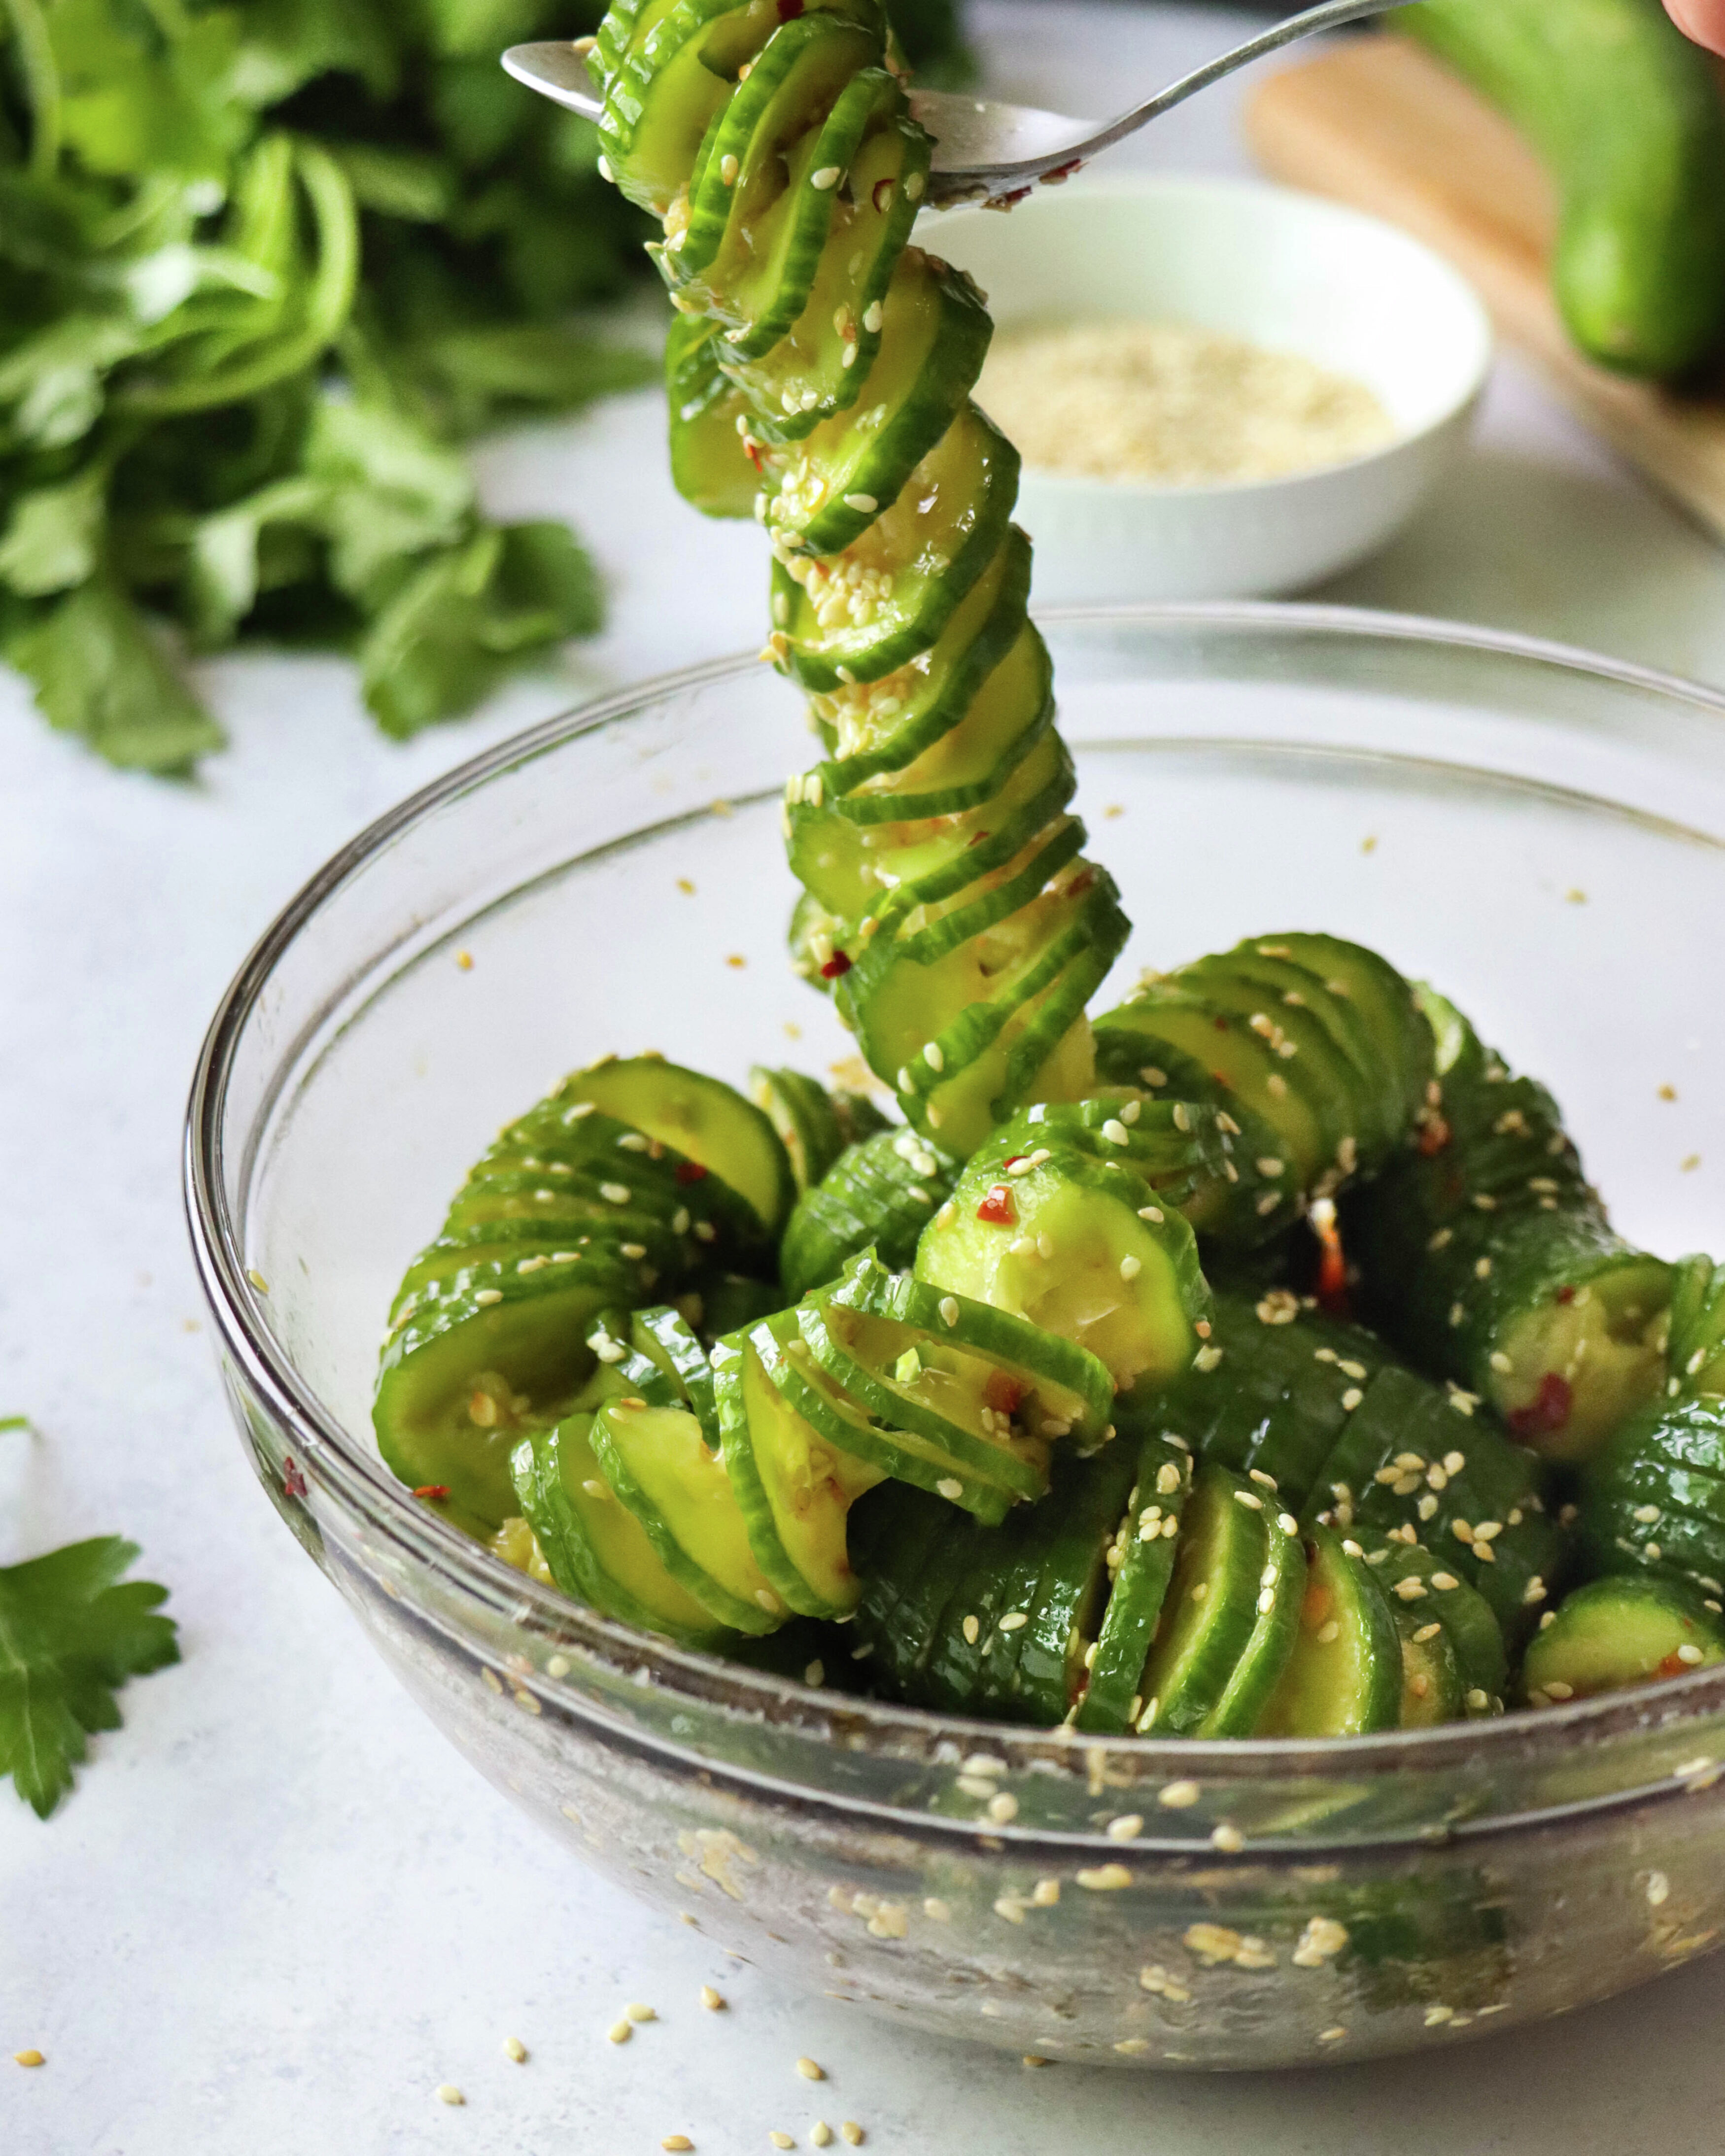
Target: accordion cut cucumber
pixel 1315 1048
pixel 1211 1612
pixel 1614 1632
pixel 1141 1560
pixel 879 1194
pixel 1654 1500
pixel 1696 1349
pixel 1422 1591
pixel 1484 1254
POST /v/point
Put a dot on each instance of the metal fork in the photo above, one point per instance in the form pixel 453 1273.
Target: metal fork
pixel 985 150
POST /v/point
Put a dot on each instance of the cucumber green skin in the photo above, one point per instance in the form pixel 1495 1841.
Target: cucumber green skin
pixel 1075 1524
pixel 1223 1549
pixel 1512 1199
pixel 1177 1147
pixel 1697 1350
pixel 879 1193
pixel 664 1337
pixel 709 466
pixel 1474 1634
pixel 1628 115
pixel 1620 1631
pixel 1432 1691
pixel 1313 1699
pixel 1138 1590
pixel 1255 1676
pixel 1671 1456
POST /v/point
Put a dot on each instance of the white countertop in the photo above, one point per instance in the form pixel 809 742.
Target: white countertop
pixel 279 1909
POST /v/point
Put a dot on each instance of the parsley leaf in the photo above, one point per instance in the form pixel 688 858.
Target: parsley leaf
pixel 70 1633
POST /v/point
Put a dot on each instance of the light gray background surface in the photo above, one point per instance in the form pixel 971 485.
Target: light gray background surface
pixel 279 1909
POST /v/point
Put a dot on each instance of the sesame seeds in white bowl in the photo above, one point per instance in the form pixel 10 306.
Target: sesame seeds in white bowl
pixel 1295 375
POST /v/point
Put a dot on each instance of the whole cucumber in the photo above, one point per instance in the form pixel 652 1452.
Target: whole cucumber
pixel 1629 116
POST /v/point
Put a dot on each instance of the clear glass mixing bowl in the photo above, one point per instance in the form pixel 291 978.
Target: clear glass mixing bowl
pixel 1542 833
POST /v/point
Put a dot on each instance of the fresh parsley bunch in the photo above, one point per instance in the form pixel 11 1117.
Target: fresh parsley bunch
pixel 261 265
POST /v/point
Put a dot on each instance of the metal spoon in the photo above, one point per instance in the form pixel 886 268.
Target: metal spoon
pixel 986 150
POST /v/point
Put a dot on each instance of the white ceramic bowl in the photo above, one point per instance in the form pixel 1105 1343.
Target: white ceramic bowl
pixel 1286 271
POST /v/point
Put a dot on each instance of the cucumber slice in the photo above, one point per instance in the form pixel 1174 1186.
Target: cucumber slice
pixel 819 366
pixel 1613 1633
pixel 1432 1689
pixel 598 1551
pixel 1475 1636
pixel 464 1373
pixel 1074 1525
pixel 794 1488
pixel 1211 1612
pixel 857 865
pixel 985 1388
pixel 879 1194
pixel 1077 1248
pixel 706 1119
pixel 874 607
pixel 664 1337
pixel 1141 1559
pixel 1344 1677
pixel 804 1115
pixel 1262 1197
pixel 710 467
pixel 1696 1349
pixel 656 1461
pixel 759 208
pixel 1282 1592
pixel 1240 991
pixel 730 1302
pixel 838 480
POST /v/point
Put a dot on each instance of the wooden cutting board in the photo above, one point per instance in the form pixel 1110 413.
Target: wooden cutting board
pixel 1377 123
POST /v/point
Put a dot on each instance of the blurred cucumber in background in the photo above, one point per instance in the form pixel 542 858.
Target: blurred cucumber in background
pixel 263 267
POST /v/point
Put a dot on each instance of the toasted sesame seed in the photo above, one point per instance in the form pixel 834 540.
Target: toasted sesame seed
pixel 447 2092
pixel 852 2133
pixel 821 2133
pixel 810 2071
pixel 712 2000
pixel 781 2140
pixel 677 2143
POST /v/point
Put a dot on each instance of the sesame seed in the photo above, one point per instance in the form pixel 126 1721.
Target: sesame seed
pixel 1178 1796
pixel 810 2071
pixel 1003 1807
pixel 1258 1475
pixel 1105 1878
pixel 781 2140
pixel 950 1488
pixel 1013 1620
pixel 949 1310
pixel 1478 1700
pixel 489 1295
pixel 1659 1888
pixel 1126 1827
pixel 821 2133
pixel 852 2133
pixel 1228 1838
pixel 29 2058
pixel 1329 1633
pixel 1688 1652
pixel 1351 1398
pixel 1154 1213
pixel 827 178
pixel 447 2092
pixel 1131 1267
pixel 1334 2035
pixel 1250 1498
pixel 712 2000
pixel 677 2143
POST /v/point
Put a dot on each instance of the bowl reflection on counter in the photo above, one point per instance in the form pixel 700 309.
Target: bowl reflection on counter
pixel 1129 1901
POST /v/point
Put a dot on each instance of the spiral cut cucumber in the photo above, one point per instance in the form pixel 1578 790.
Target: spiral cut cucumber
pixel 1484 1254
pixel 819 377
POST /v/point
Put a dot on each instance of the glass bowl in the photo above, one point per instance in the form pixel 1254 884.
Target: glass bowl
pixel 1542 833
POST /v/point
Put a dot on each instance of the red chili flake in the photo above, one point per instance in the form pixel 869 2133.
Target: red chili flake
pixel 432 1490
pixel 998 1206
pixel 1080 883
pixel 979 837
pixel 1566 1294
pixel 292 1480
pixel 1331 1269
pixel 1059 173
pixel 751 450
pixel 1012 1161
pixel 690 1171
pixel 836 967
pixel 1673 1665
pixel 1550 1412
pixel 1434 1136
pixel 1220 1024
pixel 788 10
pixel 1223 1079
pixel 1004 1394
pixel 883 195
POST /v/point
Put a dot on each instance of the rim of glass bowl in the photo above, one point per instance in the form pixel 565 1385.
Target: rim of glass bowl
pixel 344 1471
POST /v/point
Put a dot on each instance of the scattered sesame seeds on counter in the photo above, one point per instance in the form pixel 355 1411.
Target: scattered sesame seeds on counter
pixel 1172 404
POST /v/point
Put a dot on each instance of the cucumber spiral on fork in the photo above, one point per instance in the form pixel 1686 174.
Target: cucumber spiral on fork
pixel 820 373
